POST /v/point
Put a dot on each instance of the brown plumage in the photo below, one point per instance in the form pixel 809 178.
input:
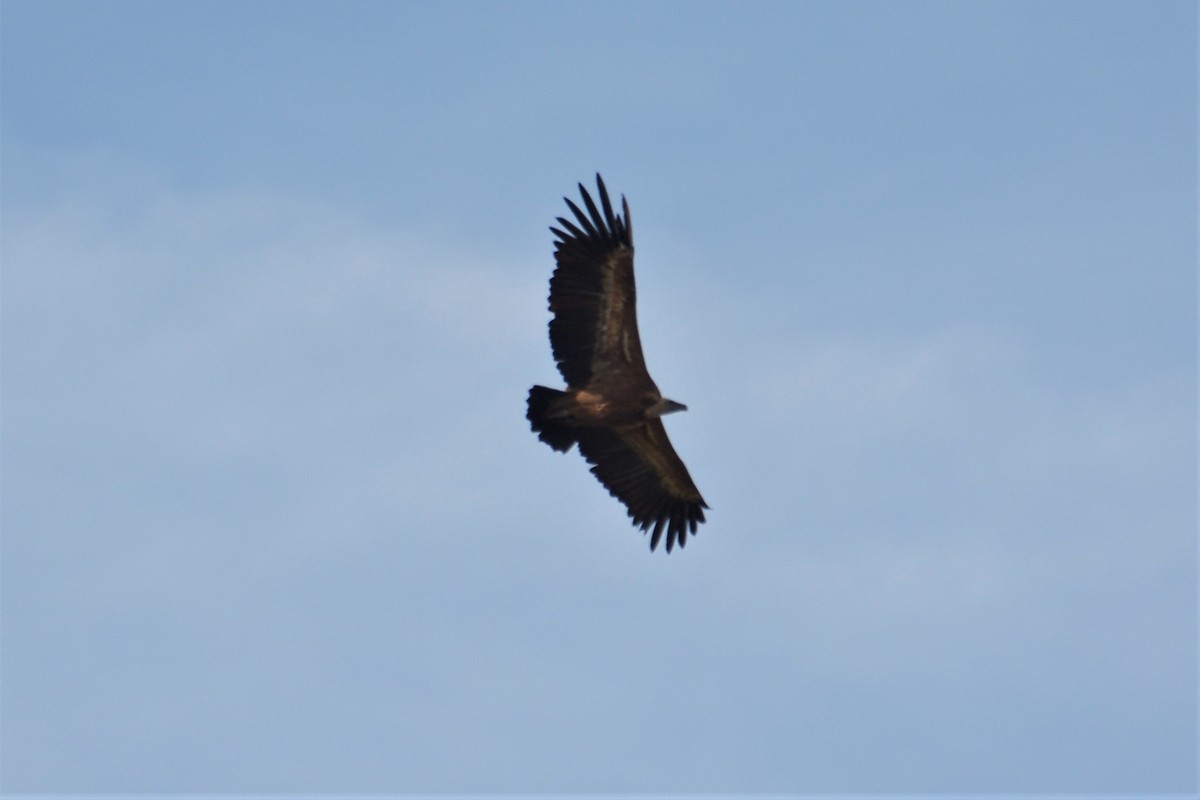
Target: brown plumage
pixel 611 407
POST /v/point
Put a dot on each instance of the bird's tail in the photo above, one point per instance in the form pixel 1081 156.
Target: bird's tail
pixel 558 436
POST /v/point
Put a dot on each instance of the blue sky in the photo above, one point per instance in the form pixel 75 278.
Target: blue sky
pixel 274 285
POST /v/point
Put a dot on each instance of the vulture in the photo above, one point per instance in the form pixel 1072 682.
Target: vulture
pixel 611 407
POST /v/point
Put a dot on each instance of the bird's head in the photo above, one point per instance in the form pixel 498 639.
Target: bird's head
pixel 656 406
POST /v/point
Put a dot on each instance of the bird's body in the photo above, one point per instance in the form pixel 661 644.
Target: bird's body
pixel 611 408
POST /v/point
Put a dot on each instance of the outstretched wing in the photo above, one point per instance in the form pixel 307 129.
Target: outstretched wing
pixel 592 292
pixel 639 467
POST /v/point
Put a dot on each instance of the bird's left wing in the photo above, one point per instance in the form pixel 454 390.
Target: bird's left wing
pixel 592 291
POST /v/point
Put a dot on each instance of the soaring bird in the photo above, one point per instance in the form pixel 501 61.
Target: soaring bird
pixel 611 408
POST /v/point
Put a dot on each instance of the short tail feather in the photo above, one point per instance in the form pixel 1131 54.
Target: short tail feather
pixel 560 437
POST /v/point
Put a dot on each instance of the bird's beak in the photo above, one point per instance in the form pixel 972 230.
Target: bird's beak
pixel 666 406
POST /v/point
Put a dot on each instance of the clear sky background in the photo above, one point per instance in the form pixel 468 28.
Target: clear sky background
pixel 274 288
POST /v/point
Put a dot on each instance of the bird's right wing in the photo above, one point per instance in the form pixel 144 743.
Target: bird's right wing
pixel 639 467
